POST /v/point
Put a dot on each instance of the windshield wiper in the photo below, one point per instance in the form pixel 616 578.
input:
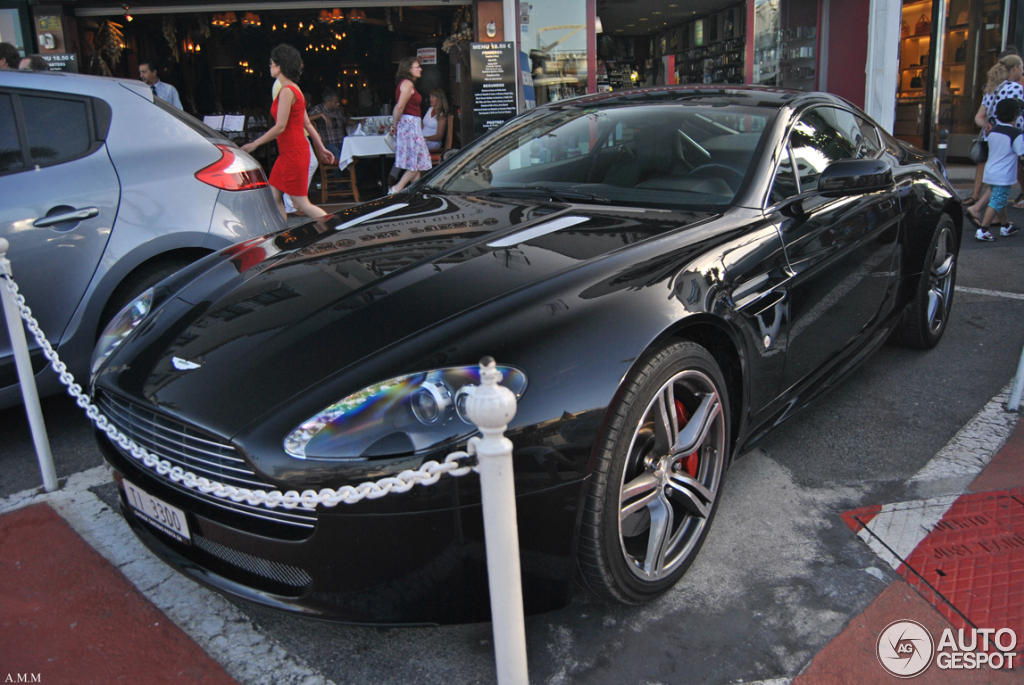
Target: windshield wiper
pixel 564 194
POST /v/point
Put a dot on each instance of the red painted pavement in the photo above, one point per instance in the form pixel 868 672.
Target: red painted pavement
pixel 69 616
pixel 971 565
pixel 1006 470
pixel 858 518
pixel 968 572
pixel 850 659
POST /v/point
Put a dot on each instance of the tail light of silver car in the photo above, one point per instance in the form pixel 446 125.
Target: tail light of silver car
pixel 235 170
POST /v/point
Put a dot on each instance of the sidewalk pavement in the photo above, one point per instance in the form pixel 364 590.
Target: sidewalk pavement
pixel 67 615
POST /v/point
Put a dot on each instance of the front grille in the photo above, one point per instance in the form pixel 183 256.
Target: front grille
pixel 198 452
pixel 272 570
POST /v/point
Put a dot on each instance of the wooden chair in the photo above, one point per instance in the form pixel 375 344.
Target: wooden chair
pixel 435 156
pixel 334 186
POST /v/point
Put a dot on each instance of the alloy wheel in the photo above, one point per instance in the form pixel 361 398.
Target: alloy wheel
pixel 940 279
pixel 672 475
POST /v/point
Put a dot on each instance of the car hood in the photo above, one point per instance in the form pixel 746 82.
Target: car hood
pixel 277 316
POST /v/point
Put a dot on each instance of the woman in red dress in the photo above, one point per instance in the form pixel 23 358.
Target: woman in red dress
pixel 291 169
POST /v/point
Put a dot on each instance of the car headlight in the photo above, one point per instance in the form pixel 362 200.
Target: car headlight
pixel 401 415
pixel 120 327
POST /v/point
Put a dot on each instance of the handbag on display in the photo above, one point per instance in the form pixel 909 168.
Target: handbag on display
pixel 916 82
pixel 961 52
pixel 979 150
pixel 924 25
pixel 904 29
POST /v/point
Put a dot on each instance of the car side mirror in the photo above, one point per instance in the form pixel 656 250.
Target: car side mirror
pixel 449 153
pixel 854 176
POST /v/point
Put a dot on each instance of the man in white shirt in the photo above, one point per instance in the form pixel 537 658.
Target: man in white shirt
pixel 164 91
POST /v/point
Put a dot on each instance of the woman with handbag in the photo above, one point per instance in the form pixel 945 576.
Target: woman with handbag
pixel 1003 82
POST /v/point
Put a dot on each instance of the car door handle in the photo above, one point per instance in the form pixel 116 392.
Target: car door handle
pixel 79 215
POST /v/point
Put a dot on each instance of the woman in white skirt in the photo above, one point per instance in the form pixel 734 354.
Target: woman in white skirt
pixel 411 151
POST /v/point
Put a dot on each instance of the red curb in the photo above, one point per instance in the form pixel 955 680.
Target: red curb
pixel 1006 470
pixel 851 659
pixel 69 616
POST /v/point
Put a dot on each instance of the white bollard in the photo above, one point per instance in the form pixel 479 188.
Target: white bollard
pixel 491 407
pixel 28 382
pixel 1018 385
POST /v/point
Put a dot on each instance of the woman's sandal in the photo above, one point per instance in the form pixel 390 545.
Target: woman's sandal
pixel 1019 202
pixel 973 219
pixel 969 201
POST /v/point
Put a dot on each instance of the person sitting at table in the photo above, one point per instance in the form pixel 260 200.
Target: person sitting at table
pixel 411 151
pixel 331 121
pixel 435 121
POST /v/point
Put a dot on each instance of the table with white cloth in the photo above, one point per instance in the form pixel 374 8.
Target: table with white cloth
pixel 363 146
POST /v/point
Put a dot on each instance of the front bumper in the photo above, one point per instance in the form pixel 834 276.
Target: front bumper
pixel 423 567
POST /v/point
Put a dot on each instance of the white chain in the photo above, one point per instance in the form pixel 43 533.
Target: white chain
pixel 427 474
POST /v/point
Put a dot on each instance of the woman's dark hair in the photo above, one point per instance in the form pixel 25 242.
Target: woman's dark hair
pixel 405 69
pixel 443 108
pixel 288 60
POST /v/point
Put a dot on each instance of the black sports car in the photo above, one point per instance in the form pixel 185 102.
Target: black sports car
pixel 663 276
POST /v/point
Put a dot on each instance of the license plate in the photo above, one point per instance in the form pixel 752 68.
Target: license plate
pixel 170 520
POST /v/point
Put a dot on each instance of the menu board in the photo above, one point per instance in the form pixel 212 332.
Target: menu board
pixel 62 62
pixel 493 73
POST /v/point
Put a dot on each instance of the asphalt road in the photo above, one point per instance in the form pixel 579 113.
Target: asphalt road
pixel 780 574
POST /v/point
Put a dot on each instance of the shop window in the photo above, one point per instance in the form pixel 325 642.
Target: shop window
pixel 58 130
pixel 10 148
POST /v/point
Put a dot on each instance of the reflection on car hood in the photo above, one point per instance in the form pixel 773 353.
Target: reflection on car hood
pixel 280 314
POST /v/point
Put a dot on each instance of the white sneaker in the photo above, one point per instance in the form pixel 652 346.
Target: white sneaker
pixel 1008 230
pixel 983 235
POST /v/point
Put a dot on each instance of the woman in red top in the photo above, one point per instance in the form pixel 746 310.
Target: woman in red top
pixel 411 151
pixel 291 169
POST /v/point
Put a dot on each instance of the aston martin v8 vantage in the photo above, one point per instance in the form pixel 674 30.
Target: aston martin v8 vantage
pixel 662 275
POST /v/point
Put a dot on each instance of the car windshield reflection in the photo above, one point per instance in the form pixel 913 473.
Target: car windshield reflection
pixel 646 155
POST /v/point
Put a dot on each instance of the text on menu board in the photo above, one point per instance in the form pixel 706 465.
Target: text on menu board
pixel 493 69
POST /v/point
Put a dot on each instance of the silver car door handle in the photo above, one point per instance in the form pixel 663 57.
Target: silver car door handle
pixel 80 215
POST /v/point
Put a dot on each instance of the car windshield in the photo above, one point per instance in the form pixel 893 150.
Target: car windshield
pixel 651 155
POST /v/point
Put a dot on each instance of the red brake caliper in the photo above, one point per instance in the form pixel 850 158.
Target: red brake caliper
pixel 689 464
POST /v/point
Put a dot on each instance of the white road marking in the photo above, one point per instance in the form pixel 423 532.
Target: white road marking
pixel 972 448
pixel 895 532
pixel 990 293
pixel 225 633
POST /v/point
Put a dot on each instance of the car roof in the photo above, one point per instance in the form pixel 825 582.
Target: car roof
pixel 81 84
pixel 750 96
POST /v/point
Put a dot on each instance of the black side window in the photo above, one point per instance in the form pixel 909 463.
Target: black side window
pixel 785 183
pixel 872 142
pixel 57 129
pixel 817 141
pixel 10 148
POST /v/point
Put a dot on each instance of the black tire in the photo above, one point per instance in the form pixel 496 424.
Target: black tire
pixel 135 284
pixel 927 315
pixel 614 557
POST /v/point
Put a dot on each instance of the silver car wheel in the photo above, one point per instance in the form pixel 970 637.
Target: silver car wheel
pixel 940 279
pixel 671 476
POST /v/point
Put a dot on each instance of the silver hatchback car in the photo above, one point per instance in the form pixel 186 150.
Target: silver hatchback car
pixel 106 191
